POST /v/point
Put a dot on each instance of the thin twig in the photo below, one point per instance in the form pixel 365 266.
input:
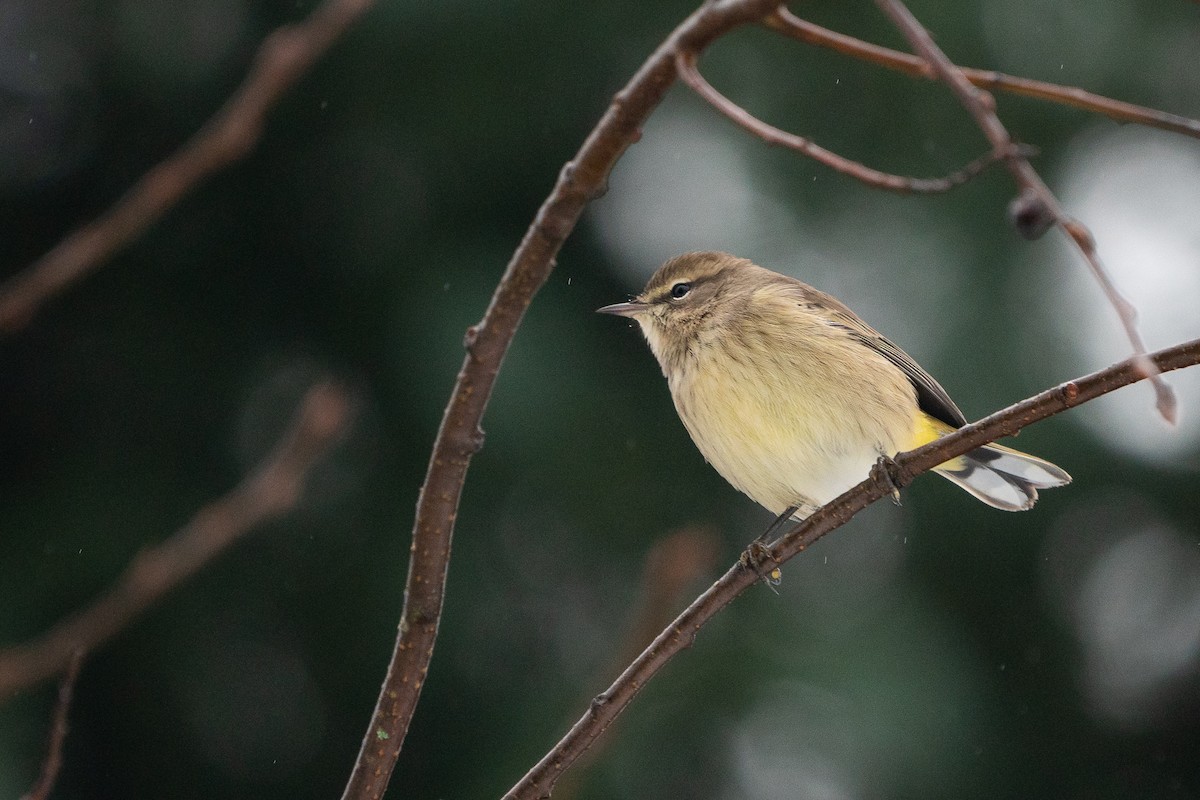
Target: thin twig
pixel 229 135
pixel 271 490
pixel 982 106
pixel 59 726
pixel 540 780
pixel 460 437
pixel 802 30
pixel 685 63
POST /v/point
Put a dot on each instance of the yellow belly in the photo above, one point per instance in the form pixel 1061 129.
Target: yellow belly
pixel 801 439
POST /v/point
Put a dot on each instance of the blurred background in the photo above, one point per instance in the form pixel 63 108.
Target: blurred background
pixel 937 649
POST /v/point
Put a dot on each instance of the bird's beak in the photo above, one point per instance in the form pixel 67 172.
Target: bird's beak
pixel 631 309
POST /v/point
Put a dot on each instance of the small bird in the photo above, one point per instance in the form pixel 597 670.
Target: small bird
pixel 793 398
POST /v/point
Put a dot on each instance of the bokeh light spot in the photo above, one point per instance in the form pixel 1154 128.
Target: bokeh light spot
pixel 1129 583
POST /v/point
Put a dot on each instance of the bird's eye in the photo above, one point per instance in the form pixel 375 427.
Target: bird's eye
pixel 679 290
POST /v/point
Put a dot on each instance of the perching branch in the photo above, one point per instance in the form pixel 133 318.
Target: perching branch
pixel 802 30
pixel 539 781
pixel 270 491
pixel 1036 200
pixel 685 63
pixel 230 135
pixel 460 437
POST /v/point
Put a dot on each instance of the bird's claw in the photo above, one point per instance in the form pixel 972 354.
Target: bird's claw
pixel 887 471
pixel 756 557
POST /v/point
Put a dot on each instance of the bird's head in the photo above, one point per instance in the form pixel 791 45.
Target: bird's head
pixel 688 295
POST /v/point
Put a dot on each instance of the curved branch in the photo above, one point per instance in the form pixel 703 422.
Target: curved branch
pixel 685 63
pixel 1036 200
pixel 283 58
pixel 271 490
pixel 460 437
pixel 802 30
pixel 540 780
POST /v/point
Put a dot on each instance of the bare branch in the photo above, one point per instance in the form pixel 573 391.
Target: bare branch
pixel 685 63
pixel 540 780
pixel 271 490
pixel 228 136
pixel 802 30
pixel 460 436
pixel 52 764
pixel 982 106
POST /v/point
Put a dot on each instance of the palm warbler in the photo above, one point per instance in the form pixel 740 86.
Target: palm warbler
pixel 793 398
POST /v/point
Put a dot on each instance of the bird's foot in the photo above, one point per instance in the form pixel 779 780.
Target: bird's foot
pixel 757 556
pixel 887 471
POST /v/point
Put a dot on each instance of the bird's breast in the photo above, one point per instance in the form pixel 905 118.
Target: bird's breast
pixel 792 424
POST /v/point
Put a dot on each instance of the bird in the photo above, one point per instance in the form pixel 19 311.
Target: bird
pixel 793 398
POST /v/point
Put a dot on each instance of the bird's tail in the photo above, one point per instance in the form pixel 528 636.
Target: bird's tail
pixel 1002 477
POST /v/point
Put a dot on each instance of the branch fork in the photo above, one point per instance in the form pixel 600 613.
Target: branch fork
pixel 283 59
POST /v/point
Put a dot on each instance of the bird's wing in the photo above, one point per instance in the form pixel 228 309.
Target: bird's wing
pixel 931 397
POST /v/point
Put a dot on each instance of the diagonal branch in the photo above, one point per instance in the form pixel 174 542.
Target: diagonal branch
pixel 270 491
pixel 1036 199
pixel 540 780
pixel 230 135
pixel 685 63
pixel 802 30
pixel 460 437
